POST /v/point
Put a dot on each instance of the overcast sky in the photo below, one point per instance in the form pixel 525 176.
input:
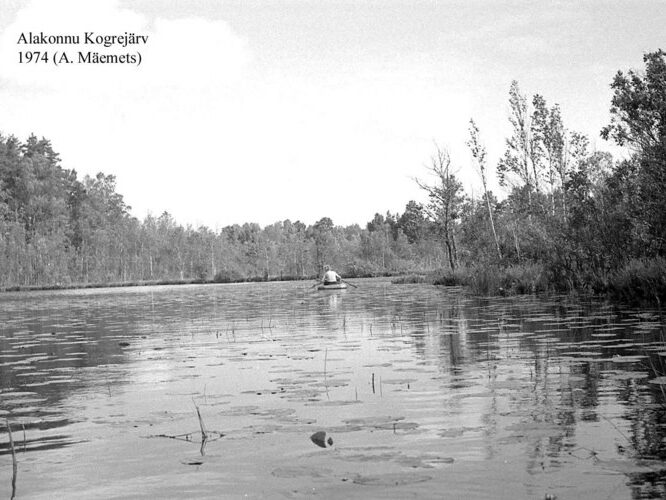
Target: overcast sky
pixel 255 111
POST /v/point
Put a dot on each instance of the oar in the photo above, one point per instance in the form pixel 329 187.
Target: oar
pixel 352 284
pixel 314 285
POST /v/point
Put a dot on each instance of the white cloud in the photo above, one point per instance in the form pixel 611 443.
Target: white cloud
pixel 179 54
pixel 194 53
pixel 167 129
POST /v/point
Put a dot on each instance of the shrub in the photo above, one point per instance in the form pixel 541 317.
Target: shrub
pixel 640 280
pixel 493 279
pixel 447 277
pixel 409 279
pixel 228 276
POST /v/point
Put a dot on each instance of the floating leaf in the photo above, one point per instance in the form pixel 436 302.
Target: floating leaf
pixel 300 471
pixel 627 359
pixel 627 375
pixel 334 403
pixel 394 479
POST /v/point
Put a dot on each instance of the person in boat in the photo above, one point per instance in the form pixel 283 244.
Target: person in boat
pixel 330 276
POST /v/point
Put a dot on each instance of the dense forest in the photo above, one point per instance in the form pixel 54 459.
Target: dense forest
pixel 573 218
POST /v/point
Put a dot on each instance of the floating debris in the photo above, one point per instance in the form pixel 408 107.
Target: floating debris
pixel 319 438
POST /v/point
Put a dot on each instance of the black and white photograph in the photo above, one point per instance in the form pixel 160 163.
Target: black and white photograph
pixel 341 249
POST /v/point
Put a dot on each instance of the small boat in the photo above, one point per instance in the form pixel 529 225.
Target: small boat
pixel 332 286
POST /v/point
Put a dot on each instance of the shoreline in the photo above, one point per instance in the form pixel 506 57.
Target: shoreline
pixel 166 282
pixel 487 283
pixel 138 283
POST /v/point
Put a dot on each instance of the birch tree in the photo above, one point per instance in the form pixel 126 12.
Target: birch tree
pixel 479 155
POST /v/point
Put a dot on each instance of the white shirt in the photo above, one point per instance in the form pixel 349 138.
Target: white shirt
pixel 331 276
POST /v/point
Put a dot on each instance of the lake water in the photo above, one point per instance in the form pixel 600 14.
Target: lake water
pixel 424 392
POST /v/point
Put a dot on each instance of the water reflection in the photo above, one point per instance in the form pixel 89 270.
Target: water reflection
pixel 559 389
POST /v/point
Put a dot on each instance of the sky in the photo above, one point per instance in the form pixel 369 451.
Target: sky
pixel 252 111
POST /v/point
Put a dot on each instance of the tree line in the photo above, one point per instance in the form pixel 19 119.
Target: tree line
pixel 573 218
pixel 59 230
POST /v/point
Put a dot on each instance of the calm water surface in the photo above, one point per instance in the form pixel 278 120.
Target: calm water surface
pixel 424 393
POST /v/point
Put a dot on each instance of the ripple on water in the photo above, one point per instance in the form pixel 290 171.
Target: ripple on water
pixel 415 385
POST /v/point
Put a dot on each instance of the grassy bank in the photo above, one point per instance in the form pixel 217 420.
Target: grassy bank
pixel 639 281
pixel 496 280
pixel 77 286
pixel 219 278
pixel 486 280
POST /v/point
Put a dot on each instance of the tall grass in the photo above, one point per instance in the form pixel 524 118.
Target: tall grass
pixel 639 280
pixel 493 279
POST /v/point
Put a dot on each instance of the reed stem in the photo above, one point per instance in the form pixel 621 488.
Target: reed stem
pixel 14 463
pixel 204 434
